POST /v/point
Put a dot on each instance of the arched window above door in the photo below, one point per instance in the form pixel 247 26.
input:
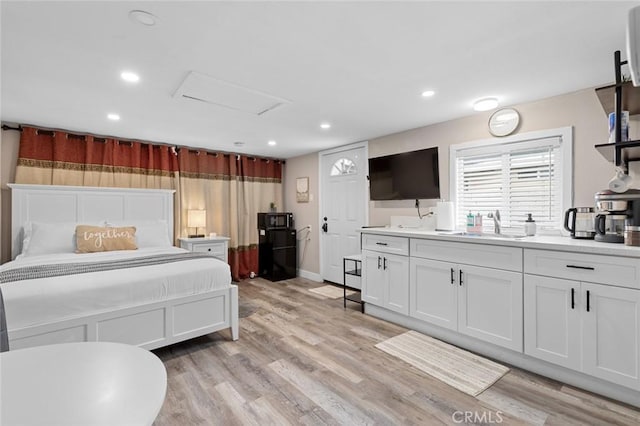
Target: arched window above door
pixel 343 166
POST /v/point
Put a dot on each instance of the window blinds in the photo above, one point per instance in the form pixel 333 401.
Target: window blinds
pixel 516 178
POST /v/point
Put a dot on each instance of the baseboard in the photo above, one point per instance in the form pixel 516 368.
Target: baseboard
pixel 310 275
pixel 508 356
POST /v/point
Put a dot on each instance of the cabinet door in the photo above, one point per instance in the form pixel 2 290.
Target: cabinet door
pixel 611 330
pixel 552 320
pixel 396 297
pixel 372 278
pixel 490 305
pixel 433 291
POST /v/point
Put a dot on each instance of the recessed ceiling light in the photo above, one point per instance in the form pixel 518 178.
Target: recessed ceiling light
pixel 129 76
pixel 114 117
pixel 238 143
pixel 142 17
pixel 428 93
pixel 485 104
pixel 271 143
pixel 325 126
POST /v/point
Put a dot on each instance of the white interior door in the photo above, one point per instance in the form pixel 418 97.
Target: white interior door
pixel 343 207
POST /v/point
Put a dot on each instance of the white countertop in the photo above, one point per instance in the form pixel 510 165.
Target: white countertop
pixel 542 242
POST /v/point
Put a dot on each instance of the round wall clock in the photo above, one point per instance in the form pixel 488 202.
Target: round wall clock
pixel 504 122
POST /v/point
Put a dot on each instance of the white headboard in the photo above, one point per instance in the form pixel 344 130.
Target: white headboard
pixel 52 203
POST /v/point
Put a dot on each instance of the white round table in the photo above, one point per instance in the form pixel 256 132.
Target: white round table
pixel 90 383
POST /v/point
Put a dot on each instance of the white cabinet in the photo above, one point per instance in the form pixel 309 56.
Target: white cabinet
pixel 611 333
pixel 593 268
pixel 490 305
pixel 373 278
pixel 385 272
pixel 485 303
pixel 396 286
pixel 385 280
pixel 588 327
pixel 576 310
pixel 216 246
pixel 433 292
pixel 552 320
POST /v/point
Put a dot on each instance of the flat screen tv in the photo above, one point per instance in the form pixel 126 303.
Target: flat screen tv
pixel 405 176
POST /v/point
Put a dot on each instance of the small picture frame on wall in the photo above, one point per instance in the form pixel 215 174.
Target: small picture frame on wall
pixel 302 189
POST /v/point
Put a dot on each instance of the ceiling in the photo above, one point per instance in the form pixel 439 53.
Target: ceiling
pixel 360 66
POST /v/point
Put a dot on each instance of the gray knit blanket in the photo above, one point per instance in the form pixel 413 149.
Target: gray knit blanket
pixel 56 270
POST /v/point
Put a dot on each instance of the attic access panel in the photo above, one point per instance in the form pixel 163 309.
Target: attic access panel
pixel 204 88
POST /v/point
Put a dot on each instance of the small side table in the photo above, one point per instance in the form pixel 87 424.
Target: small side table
pixel 217 246
pixel 352 265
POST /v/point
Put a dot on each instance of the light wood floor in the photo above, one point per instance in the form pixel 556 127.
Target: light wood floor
pixel 303 359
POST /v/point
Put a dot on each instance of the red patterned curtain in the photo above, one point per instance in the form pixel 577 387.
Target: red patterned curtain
pixel 232 189
pixel 59 158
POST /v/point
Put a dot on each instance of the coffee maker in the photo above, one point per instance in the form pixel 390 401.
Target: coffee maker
pixel 616 211
pixel 579 221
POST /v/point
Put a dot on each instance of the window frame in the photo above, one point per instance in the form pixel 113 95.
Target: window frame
pixel 565 134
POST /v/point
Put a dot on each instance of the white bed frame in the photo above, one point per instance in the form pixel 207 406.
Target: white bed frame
pixel 150 325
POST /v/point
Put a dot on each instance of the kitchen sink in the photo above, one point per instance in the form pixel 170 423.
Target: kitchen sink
pixel 508 236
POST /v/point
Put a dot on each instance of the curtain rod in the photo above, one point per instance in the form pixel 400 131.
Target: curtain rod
pixel 174 146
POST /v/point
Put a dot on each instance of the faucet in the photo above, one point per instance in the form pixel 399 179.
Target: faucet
pixel 496 221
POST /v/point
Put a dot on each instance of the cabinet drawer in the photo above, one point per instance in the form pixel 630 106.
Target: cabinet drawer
pixel 386 244
pixel 214 249
pixel 620 271
pixel 490 256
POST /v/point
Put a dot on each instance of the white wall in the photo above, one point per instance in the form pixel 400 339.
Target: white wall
pixel 304 213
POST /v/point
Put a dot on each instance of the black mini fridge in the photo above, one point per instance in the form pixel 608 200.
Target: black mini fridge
pixel 277 249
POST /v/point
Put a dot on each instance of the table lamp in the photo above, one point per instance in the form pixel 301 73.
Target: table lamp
pixel 196 219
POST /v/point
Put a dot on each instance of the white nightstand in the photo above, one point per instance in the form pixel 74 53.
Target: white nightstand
pixel 218 246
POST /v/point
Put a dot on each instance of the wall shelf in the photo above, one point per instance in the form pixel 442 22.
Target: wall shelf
pixel 630 150
pixel 618 97
pixel 630 98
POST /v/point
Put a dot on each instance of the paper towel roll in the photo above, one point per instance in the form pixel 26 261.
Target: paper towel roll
pixel 445 220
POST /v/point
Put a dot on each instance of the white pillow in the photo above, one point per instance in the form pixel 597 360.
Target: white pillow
pixel 149 233
pixel 48 238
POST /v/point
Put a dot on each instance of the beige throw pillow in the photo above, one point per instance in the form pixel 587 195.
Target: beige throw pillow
pixel 91 239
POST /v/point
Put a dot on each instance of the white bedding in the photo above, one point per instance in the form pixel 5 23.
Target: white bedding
pixel 39 301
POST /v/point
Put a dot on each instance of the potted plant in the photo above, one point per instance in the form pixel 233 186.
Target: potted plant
pixel 272 207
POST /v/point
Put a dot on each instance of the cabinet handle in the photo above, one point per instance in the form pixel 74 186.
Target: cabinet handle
pixel 384 263
pixel 381 244
pixel 452 276
pixel 573 298
pixel 460 276
pixel 379 259
pixel 588 304
pixel 588 268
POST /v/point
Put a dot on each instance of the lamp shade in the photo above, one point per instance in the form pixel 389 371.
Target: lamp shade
pixel 196 218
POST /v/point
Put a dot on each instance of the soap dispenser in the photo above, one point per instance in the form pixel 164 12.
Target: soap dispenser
pixel 530 226
pixel 470 222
